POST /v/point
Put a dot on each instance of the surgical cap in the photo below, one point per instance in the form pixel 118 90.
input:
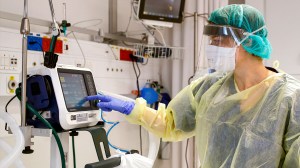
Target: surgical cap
pixel 249 19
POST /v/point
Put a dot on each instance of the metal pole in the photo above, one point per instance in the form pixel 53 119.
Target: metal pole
pixel 113 19
pixel 52 11
pixel 196 31
pixel 65 11
pixel 195 39
pixel 236 2
pixel 24 30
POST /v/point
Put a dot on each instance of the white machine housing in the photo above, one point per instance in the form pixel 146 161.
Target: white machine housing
pixel 69 119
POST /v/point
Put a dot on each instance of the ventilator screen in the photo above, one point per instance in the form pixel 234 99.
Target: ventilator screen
pixel 74 90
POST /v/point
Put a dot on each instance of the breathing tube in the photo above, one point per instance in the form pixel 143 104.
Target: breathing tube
pixel 59 144
pixel 13 154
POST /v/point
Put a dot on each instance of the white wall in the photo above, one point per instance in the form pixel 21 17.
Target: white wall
pixel 283 21
pixel 76 10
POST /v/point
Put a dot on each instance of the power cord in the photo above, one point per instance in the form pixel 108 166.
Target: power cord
pixel 6 129
pixel 147 60
pixel 134 60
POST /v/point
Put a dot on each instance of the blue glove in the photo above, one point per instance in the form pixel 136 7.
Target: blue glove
pixel 108 103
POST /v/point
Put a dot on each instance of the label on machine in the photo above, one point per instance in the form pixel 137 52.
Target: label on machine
pixel 81 117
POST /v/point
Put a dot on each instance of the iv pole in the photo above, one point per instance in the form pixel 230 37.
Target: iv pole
pixel 196 52
pixel 24 30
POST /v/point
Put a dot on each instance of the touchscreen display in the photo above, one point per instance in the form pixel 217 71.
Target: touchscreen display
pixel 74 90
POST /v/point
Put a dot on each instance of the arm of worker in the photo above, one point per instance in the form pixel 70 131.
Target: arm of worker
pixel 175 123
pixel 172 124
pixel 291 141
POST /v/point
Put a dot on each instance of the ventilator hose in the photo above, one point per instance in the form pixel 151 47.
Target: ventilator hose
pixel 16 151
pixel 32 110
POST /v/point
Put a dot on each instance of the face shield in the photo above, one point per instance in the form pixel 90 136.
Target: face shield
pixel 220 43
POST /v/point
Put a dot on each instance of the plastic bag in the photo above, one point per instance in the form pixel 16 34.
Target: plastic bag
pixel 135 161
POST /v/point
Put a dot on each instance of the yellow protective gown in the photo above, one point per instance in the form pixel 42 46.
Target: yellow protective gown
pixel 257 127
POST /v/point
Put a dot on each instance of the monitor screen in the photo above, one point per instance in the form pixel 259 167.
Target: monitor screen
pixel 161 10
pixel 74 90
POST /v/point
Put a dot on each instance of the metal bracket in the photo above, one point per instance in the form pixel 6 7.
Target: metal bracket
pixel 93 33
pixel 98 134
pixel 41 132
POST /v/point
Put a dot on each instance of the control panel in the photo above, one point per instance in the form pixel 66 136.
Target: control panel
pixel 8 61
pixel 10 68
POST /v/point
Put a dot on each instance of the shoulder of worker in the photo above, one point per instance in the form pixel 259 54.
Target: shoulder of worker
pixel 292 86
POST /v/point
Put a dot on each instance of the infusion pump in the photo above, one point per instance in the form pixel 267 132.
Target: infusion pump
pixel 58 94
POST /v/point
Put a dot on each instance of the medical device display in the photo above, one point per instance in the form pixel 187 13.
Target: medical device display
pixel 161 10
pixel 59 95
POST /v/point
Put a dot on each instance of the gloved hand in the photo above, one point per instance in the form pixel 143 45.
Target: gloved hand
pixel 108 103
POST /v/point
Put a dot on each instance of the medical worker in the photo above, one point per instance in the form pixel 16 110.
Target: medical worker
pixel 243 114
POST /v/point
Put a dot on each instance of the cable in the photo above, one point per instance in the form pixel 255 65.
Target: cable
pixel 126 44
pixel 147 60
pixel 136 74
pixel 137 65
pixel 6 109
pixel 152 34
pixel 138 88
pixel 76 23
pixel 135 12
pixel 130 18
pixel 186 149
pixel 31 109
pixel 109 130
pixel 190 79
pixel 83 21
pixel 84 59
pixel 137 82
pixel 74 154
pixel 162 37
pixel 203 15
